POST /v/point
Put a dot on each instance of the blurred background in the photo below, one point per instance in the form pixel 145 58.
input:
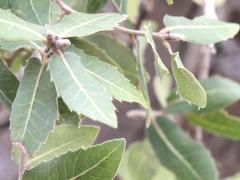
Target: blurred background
pixel 225 62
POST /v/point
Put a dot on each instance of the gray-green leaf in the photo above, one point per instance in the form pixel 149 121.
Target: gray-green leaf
pixel 15 29
pixel 97 162
pixel 81 24
pixel 218 96
pixel 218 122
pixel 35 109
pixel 4 4
pixel 116 84
pixel 187 85
pixel 80 91
pixel 202 30
pixel 161 69
pixel 32 10
pixel 179 153
pixel 65 138
pixel 8 85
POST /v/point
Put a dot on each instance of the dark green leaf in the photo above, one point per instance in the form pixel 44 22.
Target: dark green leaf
pixel 97 162
pixel 179 153
pixel 8 85
pixel 66 116
pixel 122 57
pixel 219 123
pixel 95 5
pixel 4 4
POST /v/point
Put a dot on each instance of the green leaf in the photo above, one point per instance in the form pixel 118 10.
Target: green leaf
pixel 4 4
pixel 81 24
pixel 143 81
pixel 116 84
pixel 95 5
pixel 202 30
pixel 132 9
pixel 32 10
pixel 179 153
pixel 187 85
pixel 218 122
pixel 80 91
pixel 140 162
pixel 121 6
pixel 8 85
pixel 121 57
pixel 65 138
pixel 15 29
pixel 164 173
pixel 170 2
pixel 34 110
pixel 162 88
pixel 14 45
pixel 218 96
pixel 98 162
pixel 66 116
pixel 161 69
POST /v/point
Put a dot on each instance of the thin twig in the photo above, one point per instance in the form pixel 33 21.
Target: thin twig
pixel 163 35
pixel 135 113
pixel 65 8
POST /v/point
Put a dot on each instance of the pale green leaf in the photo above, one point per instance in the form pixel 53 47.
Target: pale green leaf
pixel 218 96
pixel 8 85
pixel 34 110
pixel 143 81
pixel 66 116
pixel 132 9
pixel 161 69
pixel 14 45
pixel 234 177
pixel 139 163
pixel 65 138
pixel 97 162
pixel 187 85
pixel 162 88
pixel 80 91
pixel 202 30
pixel 164 173
pixel 121 6
pixel 216 2
pixel 15 29
pixel 170 2
pixel 121 56
pixel 179 153
pixel 80 24
pixel 115 82
pixel 218 122
pixel 32 10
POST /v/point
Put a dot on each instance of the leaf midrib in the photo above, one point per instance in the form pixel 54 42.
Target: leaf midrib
pixel 34 11
pixel 65 33
pixel 23 27
pixel 174 151
pixel 82 89
pixel 112 84
pixel 99 162
pixel 32 101
pixel 174 27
